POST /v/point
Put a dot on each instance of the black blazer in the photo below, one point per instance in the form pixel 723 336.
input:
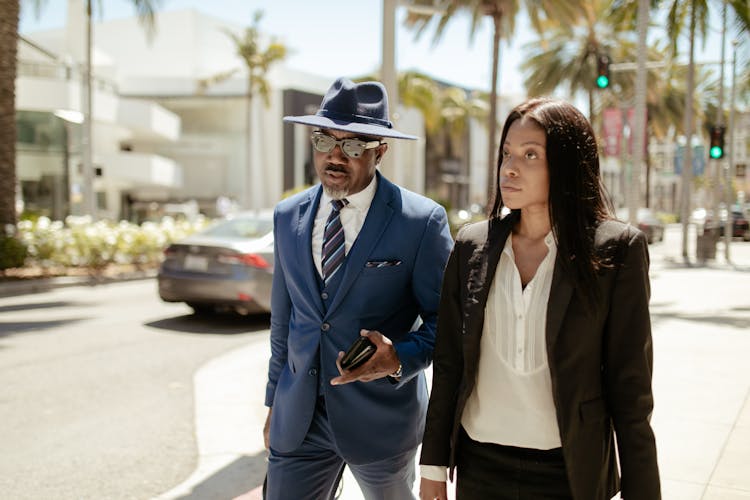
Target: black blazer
pixel 600 360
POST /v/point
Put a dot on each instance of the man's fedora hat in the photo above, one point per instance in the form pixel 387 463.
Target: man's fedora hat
pixel 361 108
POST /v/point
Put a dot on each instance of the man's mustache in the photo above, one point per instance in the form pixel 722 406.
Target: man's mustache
pixel 335 168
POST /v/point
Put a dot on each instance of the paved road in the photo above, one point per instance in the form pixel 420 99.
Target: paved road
pixel 97 392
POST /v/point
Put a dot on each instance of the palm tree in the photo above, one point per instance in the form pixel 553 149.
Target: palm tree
pixel 8 52
pixel 145 10
pixel 665 104
pixel 569 54
pixel 503 14
pixel 258 62
pixel 446 111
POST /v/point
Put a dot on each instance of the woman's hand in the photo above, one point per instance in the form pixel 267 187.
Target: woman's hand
pixel 432 490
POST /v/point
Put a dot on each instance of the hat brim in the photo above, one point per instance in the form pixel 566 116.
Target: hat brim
pixel 345 126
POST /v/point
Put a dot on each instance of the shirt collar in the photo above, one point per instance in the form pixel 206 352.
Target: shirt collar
pixel 549 240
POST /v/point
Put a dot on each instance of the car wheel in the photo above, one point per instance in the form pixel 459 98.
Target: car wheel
pixel 202 309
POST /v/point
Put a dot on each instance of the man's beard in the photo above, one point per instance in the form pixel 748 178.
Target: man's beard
pixel 335 194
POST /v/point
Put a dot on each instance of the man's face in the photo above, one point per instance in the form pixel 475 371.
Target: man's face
pixel 342 175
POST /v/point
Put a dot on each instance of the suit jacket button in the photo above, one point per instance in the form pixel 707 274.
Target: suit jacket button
pixel 312 372
pixel 324 295
pixel 325 327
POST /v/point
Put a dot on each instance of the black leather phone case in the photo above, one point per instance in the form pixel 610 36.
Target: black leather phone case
pixel 359 352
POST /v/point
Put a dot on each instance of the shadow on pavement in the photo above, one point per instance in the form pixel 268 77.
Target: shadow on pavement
pixel 239 477
pixel 36 305
pixel 711 319
pixel 673 263
pixel 8 328
pixel 228 324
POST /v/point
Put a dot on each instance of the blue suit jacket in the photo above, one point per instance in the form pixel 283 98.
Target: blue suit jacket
pixel 379 419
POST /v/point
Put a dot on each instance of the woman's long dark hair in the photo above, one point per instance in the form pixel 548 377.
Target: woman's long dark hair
pixel 578 201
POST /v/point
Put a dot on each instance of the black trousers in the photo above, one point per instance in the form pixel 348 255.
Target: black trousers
pixel 487 471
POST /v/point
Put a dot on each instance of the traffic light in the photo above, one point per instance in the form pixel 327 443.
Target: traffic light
pixel 716 149
pixel 602 71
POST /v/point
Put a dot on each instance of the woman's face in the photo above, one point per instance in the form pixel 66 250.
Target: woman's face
pixel 524 174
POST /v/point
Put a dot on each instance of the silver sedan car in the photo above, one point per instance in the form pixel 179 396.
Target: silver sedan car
pixel 227 266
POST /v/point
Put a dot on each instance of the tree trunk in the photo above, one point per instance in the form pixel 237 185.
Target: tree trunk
pixel 8 53
pixel 250 202
pixel 687 164
pixel 648 176
pixel 492 144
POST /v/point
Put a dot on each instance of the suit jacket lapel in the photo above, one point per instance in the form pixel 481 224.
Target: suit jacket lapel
pixel 559 297
pixel 481 271
pixel 377 220
pixel 307 212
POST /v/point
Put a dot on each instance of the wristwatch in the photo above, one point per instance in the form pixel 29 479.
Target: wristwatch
pixel 397 373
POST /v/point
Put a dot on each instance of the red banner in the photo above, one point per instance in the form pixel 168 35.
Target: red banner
pixel 612 130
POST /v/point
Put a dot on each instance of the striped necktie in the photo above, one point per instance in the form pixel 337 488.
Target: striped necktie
pixel 333 241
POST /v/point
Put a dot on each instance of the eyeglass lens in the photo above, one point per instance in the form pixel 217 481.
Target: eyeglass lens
pixel 353 148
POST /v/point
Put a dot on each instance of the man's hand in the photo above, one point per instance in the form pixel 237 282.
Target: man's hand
pixel 381 364
pixel 432 490
pixel 267 429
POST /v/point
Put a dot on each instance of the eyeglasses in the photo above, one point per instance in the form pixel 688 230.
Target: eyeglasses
pixel 353 148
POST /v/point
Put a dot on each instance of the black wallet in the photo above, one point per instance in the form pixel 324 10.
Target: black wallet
pixel 359 352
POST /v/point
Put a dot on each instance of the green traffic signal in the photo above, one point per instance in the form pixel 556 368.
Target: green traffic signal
pixel 716 145
pixel 602 71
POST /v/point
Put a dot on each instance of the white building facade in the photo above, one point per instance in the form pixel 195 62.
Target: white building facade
pixel 159 136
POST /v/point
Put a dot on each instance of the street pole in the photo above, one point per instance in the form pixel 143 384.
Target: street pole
pixel 730 164
pixel 394 169
pixel 634 196
pixel 89 204
pixel 716 195
pixel 687 166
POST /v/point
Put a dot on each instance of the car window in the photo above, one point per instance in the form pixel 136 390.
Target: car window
pixel 240 228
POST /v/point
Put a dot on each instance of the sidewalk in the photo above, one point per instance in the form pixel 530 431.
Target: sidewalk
pixel 701 326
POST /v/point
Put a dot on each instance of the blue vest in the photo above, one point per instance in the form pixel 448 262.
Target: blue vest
pixel 327 293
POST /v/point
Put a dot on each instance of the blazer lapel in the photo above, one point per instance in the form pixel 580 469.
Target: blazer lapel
pixel 307 211
pixel 559 297
pixel 481 271
pixel 377 220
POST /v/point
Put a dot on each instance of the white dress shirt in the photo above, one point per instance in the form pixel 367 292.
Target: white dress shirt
pixel 512 403
pixel 352 218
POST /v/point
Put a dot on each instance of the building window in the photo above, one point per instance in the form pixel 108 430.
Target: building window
pixel 43 153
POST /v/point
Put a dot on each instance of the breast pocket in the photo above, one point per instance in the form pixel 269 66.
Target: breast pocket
pixel 382 269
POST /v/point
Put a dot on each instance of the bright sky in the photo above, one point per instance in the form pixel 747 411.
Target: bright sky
pixel 332 38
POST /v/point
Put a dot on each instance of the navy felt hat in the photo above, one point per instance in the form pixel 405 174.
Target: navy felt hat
pixel 361 108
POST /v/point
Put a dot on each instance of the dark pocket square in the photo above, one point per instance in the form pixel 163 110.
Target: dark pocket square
pixel 382 263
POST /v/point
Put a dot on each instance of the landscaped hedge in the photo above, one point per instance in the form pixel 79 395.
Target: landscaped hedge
pixel 12 251
pixel 81 242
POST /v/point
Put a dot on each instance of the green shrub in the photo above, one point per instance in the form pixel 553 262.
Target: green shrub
pixel 12 252
pixel 81 242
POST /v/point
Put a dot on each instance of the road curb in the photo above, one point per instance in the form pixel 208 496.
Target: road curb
pixel 39 285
